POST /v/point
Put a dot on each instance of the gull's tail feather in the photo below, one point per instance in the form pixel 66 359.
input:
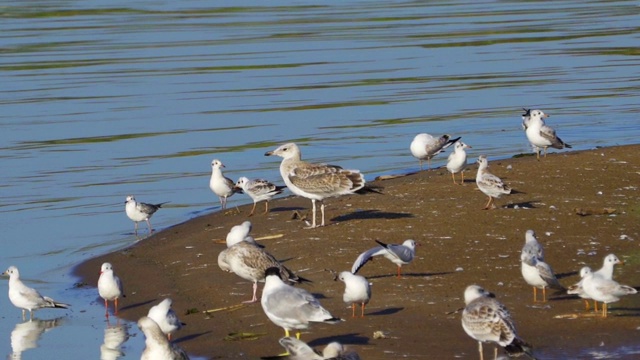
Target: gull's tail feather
pixel 53 304
pixel 518 348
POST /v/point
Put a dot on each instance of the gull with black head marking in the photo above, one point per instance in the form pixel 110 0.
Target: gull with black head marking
pixel 289 307
pixel 259 190
pixel 315 181
pixel 425 146
pixel 485 319
pixel 539 134
pixel 139 211
pixel 26 298
pixel 398 254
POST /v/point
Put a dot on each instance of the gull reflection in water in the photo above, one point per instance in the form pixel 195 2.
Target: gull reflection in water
pixel 26 334
pixel 114 337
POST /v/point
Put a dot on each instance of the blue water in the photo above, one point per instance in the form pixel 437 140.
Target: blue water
pixel 100 99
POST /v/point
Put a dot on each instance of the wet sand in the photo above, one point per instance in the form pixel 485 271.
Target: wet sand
pixel 461 244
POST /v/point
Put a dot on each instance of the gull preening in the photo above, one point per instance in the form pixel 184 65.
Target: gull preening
pixel 222 186
pixel 539 275
pixel 357 291
pixel 165 317
pixel 289 307
pixel 259 190
pixel 139 211
pixel 299 350
pixel 241 233
pixel 485 319
pixel 398 254
pixel 539 134
pixel 26 298
pixel 532 246
pixel 457 161
pixel 315 181
pixel 109 288
pixel 489 184
pixel 156 344
pixel 250 263
pixel 425 147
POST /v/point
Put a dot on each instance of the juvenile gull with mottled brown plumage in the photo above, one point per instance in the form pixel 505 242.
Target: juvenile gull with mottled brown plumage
pixel 315 181
pixel 489 184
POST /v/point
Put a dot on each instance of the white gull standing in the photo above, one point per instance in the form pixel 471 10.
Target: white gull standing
pixel 539 275
pixel 539 134
pixel 250 263
pixel 222 186
pixel 357 290
pixel 457 161
pixel 605 290
pixel 109 288
pixel 165 317
pixel 605 272
pixel 425 147
pixel 258 190
pixel 485 319
pixel 241 233
pixel 289 307
pixel 489 184
pixel 26 298
pixel 398 254
pixel 315 181
pixel 156 344
pixel 139 211
pixel 577 289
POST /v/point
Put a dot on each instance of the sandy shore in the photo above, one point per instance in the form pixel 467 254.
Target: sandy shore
pixel 460 245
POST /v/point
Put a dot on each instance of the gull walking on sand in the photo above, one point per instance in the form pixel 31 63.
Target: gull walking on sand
pixel 165 317
pixel 250 263
pixel 139 211
pixel 457 161
pixel 258 190
pixel 489 184
pixel 289 307
pixel 240 233
pixel 26 298
pixel 357 291
pixel 485 319
pixel 605 290
pixel 425 147
pixel 315 181
pixel 222 186
pixel 157 345
pixel 109 288
pixel 539 134
pixel 397 254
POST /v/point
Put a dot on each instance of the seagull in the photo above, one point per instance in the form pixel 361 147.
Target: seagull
pixel 250 263
pixel 538 274
pixel 457 161
pixel 397 254
pixel 26 298
pixel 241 233
pixel 425 147
pixel 606 271
pixel 156 344
pixel 532 246
pixel 165 317
pixel 488 183
pixel 258 190
pixel 541 135
pixel 221 185
pixel 485 319
pixel 289 307
pixel 605 290
pixel 299 350
pixel 109 288
pixel 526 118
pixel 139 211
pixel 357 291
pixel 315 181
pixel 577 289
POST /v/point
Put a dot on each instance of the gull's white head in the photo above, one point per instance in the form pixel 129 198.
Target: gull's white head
pixel 411 244
pixel 217 164
pixel 611 260
pixel 129 199
pixel 333 350
pixel 461 146
pixel 12 272
pixel 537 114
pixel 473 292
pixel 584 271
pixel 530 236
pixel 106 267
pixel 242 182
pixel 286 151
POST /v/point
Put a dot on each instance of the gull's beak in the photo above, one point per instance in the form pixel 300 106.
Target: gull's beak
pixel 546 116
pixel 621 262
pixel 268 153
pixel 470 147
